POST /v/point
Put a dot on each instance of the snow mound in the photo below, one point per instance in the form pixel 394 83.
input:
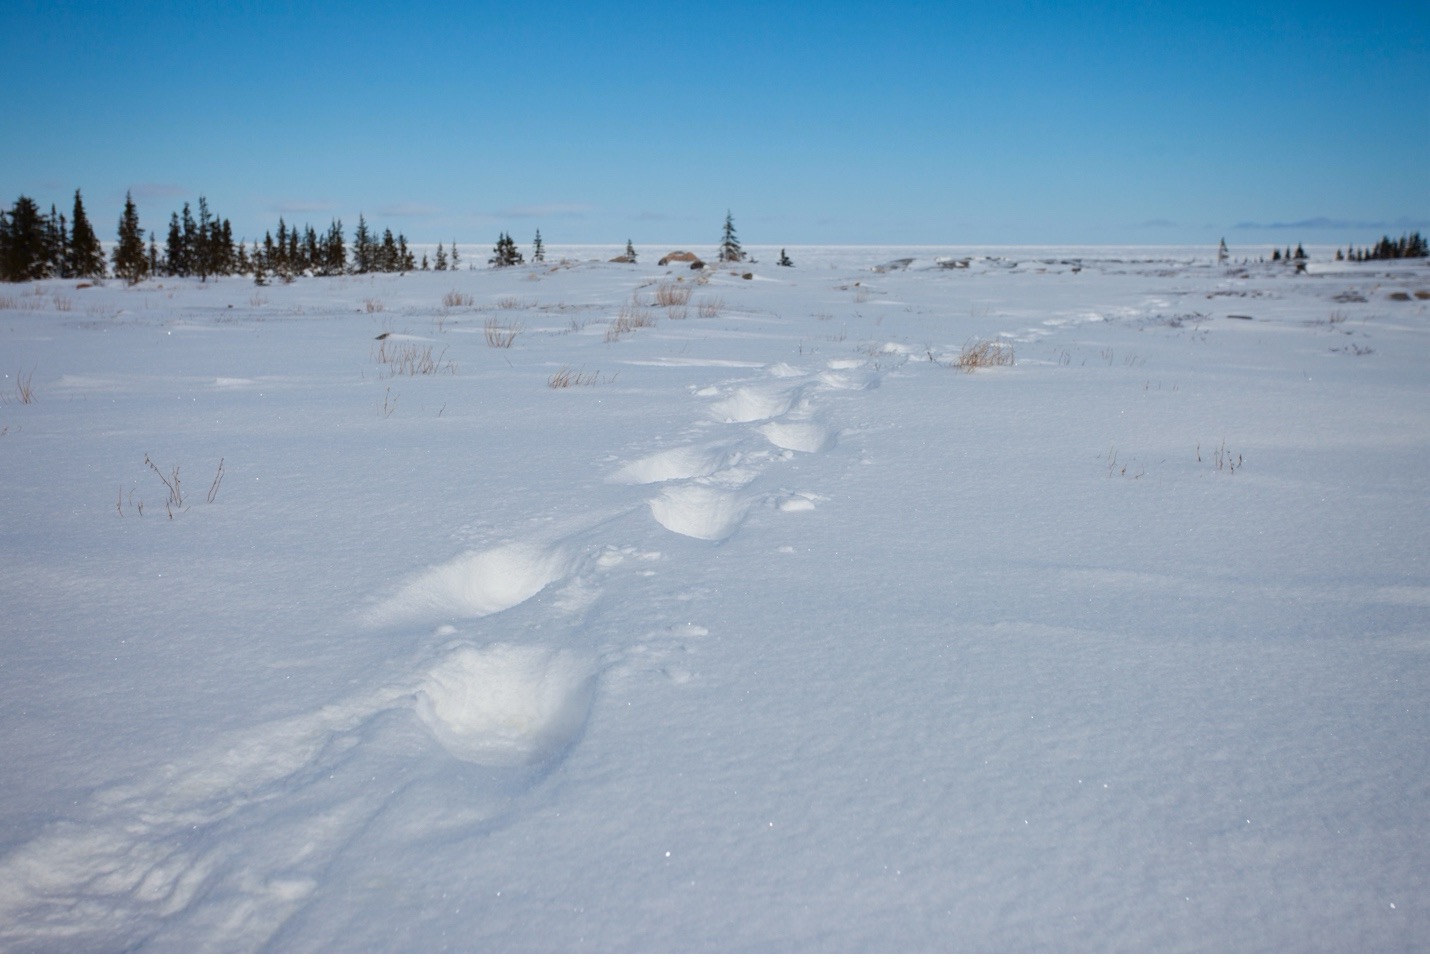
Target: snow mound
pixel 681 462
pixel 749 404
pixel 700 512
pixel 474 584
pixel 507 705
pixel 802 436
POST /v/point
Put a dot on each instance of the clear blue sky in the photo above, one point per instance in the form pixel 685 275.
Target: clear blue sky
pixel 820 122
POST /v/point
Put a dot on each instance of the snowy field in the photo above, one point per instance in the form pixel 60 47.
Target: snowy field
pixel 769 630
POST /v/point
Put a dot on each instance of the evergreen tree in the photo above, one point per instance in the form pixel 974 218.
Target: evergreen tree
pixel 1300 253
pixel 24 245
pixel 56 244
pixel 441 257
pixel 335 257
pixel 784 260
pixel 424 263
pixel 505 252
pixel 1221 253
pixel 129 260
pixel 456 258
pixel 538 249
pixel 155 263
pixel 730 251
pixel 174 248
pixel 362 247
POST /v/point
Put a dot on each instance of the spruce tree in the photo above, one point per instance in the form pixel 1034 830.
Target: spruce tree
pixel 538 249
pixel 730 251
pixel 441 257
pixel 362 247
pixel 129 261
pixel 86 255
pixel 456 257
pixel 631 250
pixel 24 245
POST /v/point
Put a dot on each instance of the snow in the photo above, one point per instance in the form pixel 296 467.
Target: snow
pixel 770 632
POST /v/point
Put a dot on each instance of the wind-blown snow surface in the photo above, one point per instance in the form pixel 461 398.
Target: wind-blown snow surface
pixel 774 632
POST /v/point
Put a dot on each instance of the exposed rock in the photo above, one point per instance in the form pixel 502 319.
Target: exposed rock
pixel 697 264
pixel 678 256
pixel 623 258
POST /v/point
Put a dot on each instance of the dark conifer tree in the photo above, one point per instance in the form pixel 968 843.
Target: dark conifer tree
pixel 24 246
pixel 86 254
pixel 784 259
pixel 538 249
pixel 129 260
pixel 730 251
pixel 362 247
pixel 456 257
pixel 56 244
pixel 174 248
pixel 441 257
pixel 335 257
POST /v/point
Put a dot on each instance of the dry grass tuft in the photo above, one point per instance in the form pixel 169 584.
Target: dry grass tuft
pixel 567 377
pixel 23 390
pixel 453 300
pixel 371 305
pixel 499 335
pixel 669 294
pixel 979 353
pixel 709 307
pixel 409 359
pixel 631 317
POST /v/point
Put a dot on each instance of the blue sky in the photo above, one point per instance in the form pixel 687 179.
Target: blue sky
pixel 821 122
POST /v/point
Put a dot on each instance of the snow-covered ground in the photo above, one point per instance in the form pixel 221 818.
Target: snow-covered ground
pixel 771 631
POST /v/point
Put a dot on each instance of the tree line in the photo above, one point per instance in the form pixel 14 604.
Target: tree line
pixel 36 246
pixel 1408 247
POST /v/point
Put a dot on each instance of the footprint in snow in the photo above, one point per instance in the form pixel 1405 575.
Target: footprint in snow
pixel 700 512
pixel 507 705
pixel 682 462
pixel 801 436
pixel 750 404
pixel 476 583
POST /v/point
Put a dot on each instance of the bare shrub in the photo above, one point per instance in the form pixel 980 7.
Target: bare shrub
pixel 631 317
pixel 63 303
pixel 709 307
pixel 372 305
pixel 499 335
pixel 23 390
pixel 669 294
pixel 409 359
pixel 454 299
pixel 567 377
pixel 512 303
pixel 978 353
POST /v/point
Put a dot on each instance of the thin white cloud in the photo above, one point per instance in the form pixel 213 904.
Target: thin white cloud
pixel 1327 223
pixel 301 206
pixel 409 210
pixel 552 211
pixel 156 191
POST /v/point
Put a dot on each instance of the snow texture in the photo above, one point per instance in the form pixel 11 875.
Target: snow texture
pixel 771 630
